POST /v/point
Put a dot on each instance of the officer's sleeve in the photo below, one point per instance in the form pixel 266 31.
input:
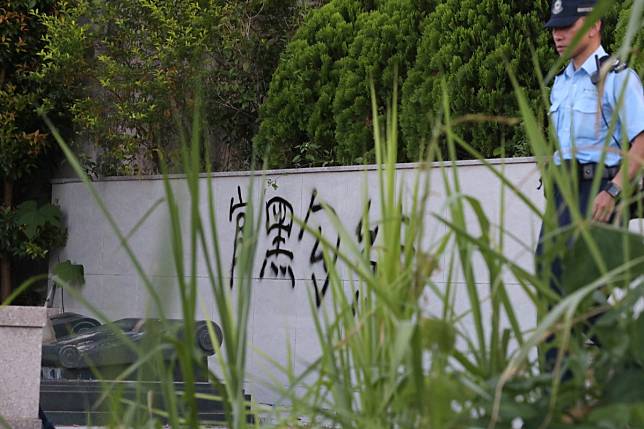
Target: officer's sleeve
pixel 631 113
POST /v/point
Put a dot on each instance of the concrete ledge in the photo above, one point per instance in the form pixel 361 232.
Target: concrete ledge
pixel 23 317
pixel 308 170
pixel 24 423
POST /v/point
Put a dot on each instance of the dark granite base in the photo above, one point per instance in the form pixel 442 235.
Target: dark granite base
pixel 68 403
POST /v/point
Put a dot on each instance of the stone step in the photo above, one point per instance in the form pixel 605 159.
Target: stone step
pixel 76 402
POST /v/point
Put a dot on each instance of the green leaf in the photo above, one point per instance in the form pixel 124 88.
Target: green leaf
pixel 27 215
pixel 511 409
pixel 617 246
pixel 404 332
pixel 31 217
pixel 70 274
pixel 626 387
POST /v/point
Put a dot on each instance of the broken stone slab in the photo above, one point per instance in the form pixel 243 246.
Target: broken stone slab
pixel 109 349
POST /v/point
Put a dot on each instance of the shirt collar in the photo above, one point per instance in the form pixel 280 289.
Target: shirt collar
pixel 590 65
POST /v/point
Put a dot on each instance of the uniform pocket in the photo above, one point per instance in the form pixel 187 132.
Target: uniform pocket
pixel 585 120
pixel 585 105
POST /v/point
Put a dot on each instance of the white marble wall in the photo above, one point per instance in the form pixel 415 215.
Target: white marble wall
pixel 280 313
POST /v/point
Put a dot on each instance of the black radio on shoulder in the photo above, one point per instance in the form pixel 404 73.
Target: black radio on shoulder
pixel 616 67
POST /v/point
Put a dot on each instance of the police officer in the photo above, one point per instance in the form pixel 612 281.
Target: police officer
pixel 584 103
pixel 581 122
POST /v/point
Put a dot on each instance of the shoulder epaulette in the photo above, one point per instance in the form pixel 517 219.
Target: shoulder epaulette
pixel 617 66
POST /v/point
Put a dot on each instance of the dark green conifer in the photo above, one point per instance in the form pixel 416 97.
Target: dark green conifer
pixel 297 126
pixel 385 39
pixel 636 57
pixel 471 44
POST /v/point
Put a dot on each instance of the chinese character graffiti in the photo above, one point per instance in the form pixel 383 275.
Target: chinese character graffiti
pixel 237 209
pixel 372 235
pixel 279 223
pixel 317 256
pixel 279 258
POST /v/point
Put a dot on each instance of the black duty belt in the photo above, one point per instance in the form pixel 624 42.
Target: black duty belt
pixel 589 171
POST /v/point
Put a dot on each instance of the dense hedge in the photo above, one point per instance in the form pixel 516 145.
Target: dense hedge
pixel 318 108
pixel 470 44
pixel 297 127
pixel 385 41
pixel 637 52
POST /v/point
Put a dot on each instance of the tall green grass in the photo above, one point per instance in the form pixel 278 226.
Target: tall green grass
pixel 387 361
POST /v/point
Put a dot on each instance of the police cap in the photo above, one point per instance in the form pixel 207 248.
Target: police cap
pixel 564 13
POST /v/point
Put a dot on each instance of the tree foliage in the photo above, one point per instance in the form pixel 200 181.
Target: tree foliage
pixel 318 108
pixel 136 67
pixel 297 124
pixel 24 138
pixel 385 43
pixel 254 33
pixel 470 45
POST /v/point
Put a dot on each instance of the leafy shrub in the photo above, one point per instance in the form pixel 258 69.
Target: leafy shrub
pixel 469 45
pixel 126 63
pixel 638 42
pixel 385 39
pixel 134 68
pixel 31 230
pixel 297 118
pixel 317 111
pixel 24 138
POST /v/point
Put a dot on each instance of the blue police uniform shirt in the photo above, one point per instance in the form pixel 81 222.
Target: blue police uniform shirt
pixel 578 121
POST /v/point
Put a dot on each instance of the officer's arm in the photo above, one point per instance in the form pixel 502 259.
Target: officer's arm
pixel 631 116
pixel 635 161
pixel 628 85
pixel 604 203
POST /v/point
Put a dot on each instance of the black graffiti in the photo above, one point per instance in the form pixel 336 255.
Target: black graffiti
pixel 405 222
pixel 238 209
pixel 279 223
pixel 279 258
pixel 373 234
pixel 317 254
pixel 355 303
pixel 313 208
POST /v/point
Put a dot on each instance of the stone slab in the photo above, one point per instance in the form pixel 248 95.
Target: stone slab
pixel 20 351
